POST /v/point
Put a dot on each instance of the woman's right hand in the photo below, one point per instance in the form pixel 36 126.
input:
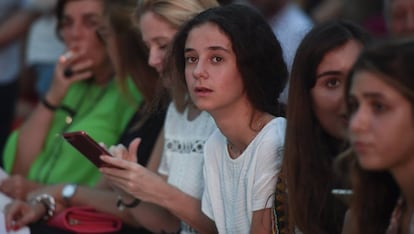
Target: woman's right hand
pixel 20 213
pixel 80 67
pixel 120 151
pixel 131 177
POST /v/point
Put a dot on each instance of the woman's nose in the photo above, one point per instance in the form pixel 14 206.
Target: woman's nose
pixel 75 31
pixel 155 60
pixel 200 70
pixel 359 120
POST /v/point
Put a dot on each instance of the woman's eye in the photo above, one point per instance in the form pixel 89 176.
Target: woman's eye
pixel 378 107
pixel 333 83
pixel 92 23
pixel 217 59
pixel 163 47
pixel 191 59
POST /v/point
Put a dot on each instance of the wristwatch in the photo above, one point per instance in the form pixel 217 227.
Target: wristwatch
pixel 68 191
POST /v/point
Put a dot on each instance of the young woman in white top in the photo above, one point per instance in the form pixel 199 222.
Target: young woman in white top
pixel 232 65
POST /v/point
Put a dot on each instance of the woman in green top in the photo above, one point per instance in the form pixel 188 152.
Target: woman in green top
pixel 84 98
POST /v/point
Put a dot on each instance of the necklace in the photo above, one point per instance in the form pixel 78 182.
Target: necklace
pixel 233 150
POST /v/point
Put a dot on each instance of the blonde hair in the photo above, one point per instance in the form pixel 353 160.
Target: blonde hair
pixel 174 12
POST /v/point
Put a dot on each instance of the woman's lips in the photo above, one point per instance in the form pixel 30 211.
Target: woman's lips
pixel 202 91
pixel 360 147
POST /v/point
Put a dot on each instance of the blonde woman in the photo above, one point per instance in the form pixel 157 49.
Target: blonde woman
pixel 179 188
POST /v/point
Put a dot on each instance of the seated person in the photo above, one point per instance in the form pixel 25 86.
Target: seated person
pixel 120 38
pixel 84 97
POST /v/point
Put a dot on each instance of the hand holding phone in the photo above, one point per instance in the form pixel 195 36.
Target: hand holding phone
pixel 87 146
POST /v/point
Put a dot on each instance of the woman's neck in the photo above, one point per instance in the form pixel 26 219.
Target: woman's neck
pixel 241 127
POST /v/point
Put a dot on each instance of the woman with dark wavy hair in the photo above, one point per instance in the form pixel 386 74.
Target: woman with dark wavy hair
pixel 231 63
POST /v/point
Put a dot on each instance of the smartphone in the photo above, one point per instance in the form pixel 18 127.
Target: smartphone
pixel 87 146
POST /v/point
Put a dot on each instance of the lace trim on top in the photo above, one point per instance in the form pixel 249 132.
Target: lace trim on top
pixel 185 147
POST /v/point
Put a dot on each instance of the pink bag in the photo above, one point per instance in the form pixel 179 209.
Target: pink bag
pixel 85 219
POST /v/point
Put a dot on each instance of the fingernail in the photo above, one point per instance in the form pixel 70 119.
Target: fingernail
pixel 67 55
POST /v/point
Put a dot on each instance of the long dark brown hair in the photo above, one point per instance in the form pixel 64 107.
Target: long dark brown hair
pixel 375 193
pixel 258 53
pixel 309 149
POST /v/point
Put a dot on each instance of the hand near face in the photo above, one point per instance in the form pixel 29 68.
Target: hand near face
pixel 71 67
pixel 20 213
pixel 17 187
pixel 131 177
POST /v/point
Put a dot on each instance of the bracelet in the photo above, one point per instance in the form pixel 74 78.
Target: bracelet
pixel 47 104
pixel 121 205
pixel 48 202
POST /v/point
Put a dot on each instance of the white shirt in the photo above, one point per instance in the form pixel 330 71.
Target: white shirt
pixel 235 188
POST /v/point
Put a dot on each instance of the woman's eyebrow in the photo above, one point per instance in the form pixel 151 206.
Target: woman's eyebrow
pixel 214 48
pixel 329 73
